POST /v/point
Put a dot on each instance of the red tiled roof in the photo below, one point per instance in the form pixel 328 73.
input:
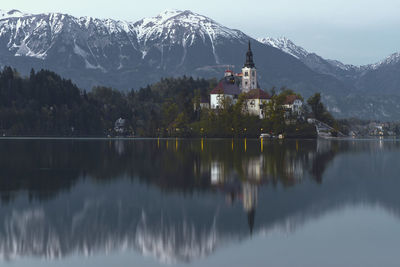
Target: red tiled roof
pixel 217 90
pixel 258 94
pixel 226 87
pixel 290 99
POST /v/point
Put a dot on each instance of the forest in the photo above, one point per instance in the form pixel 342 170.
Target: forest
pixel 45 104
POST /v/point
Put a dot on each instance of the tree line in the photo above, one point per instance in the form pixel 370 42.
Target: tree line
pixel 45 104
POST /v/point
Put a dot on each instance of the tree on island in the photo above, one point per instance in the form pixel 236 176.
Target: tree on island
pixel 46 104
pixel 319 111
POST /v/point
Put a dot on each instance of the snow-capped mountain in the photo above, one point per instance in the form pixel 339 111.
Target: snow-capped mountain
pixel 90 38
pixel 184 28
pixel 379 78
pixel 286 46
pixel 312 60
pixel 125 55
pixel 165 45
pixel 390 60
pixel 289 47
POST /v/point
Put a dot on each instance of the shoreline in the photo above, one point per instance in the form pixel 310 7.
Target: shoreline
pixel 393 138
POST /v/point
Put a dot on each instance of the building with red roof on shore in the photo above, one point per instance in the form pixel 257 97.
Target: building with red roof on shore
pixel 294 104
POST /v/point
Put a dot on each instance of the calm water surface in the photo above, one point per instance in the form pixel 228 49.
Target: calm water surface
pixel 199 203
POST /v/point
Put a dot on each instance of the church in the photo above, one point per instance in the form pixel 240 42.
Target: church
pixel 232 85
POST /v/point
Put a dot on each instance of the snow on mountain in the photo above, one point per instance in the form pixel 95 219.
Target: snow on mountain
pixel 168 24
pixel 182 28
pixel 34 35
pixel 123 54
pixel 285 45
pixel 96 40
pixel 390 60
pixel 379 78
pixel 174 42
pixel 313 61
pixel 289 47
pixel 340 65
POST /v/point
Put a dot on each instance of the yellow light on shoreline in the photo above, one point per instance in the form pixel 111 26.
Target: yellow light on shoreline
pixel 262 144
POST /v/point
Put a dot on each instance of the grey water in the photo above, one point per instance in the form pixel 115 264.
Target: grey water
pixel 172 202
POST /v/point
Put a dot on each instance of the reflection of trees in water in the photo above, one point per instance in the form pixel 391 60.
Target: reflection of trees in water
pixel 169 226
pixel 45 167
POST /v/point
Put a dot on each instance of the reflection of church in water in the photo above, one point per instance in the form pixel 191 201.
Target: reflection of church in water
pixel 241 184
pixel 237 189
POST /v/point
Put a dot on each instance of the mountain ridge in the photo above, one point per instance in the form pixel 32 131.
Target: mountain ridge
pixel 288 46
pixel 125 55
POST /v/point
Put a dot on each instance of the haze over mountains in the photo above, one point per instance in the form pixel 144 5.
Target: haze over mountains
pixel 127 55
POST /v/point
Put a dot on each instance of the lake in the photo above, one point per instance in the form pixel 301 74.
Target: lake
pixel 171 202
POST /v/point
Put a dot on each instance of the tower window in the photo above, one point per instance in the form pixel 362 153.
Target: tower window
pixel 253 73
pixel 246 74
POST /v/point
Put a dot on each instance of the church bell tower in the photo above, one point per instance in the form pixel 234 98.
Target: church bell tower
pixel 249 72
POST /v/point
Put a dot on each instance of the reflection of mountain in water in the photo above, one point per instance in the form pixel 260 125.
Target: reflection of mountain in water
pixel 178 205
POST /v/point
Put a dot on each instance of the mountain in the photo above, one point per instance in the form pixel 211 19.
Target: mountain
pixel 286 46
pixel 383 75
pixel 376 87
pixel 129 55
pixel 116 53
pixel 315 62
pixel 125 55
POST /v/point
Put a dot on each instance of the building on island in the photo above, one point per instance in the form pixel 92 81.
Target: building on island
pixel 119 126
pixel 204 103
pixel 293 104
pixel 226 90
pixel 232 85
pixel 256 101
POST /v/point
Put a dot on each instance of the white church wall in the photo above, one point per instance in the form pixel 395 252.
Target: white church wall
pixel 216 100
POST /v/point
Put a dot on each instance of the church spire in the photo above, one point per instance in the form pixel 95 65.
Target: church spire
pixel 249 72
pixel 249 58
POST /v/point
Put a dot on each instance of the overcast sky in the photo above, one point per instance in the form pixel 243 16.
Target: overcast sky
pixel 352 31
